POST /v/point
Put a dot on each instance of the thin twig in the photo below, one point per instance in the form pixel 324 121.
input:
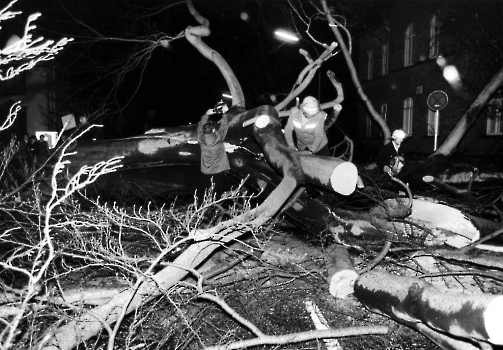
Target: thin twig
pixel 303 336
pixel 378 259
pixel 233 313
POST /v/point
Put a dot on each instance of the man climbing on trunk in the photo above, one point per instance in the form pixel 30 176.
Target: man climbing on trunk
pixel 214 160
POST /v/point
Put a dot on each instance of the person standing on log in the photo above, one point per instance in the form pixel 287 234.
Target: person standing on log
pixel 391 158
pixel 308 125
pixel 214 160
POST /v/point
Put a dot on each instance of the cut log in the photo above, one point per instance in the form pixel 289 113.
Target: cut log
pixel 341 272
pixel 412 301
pixel 331 173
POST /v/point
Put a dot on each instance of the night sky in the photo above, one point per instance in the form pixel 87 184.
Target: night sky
pixel 175 86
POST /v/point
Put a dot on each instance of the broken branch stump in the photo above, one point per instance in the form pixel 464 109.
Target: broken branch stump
pixel 341 272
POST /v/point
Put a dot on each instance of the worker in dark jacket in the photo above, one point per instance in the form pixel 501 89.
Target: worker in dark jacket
pixel 392 157
pixel 214 160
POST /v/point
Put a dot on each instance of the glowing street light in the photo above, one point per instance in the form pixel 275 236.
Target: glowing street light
pixel 286 35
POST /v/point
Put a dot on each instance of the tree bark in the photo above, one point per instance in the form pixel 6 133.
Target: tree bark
pixel 193 35
pixel 341 272
pixel 413 302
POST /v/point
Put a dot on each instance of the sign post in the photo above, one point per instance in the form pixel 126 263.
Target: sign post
pixel 437 101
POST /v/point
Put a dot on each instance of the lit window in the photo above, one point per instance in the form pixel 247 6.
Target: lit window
pixel 408 109
pixel 431 123
pixel 370 64
pixel 434 36
pixel 494 125
pixel 409 42
pixel 384 61
pixel 384 111
pixel 368 126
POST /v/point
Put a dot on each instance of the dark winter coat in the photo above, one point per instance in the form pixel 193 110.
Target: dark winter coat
pixel 387 156
pixel 214 159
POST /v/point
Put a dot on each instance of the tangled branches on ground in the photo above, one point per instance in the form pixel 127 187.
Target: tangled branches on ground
pixel 63 251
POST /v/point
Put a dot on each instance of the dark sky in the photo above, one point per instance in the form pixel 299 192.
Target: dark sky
pixel 110 63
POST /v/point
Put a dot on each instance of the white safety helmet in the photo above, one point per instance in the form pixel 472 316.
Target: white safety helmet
pixel 310 105
pixel 399 134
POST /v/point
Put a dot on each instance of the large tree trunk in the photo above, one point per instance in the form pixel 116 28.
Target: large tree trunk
pixel 470 116
pixel 178 147
pixel 439 315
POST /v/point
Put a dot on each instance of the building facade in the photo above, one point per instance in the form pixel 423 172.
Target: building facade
pixel 40 92
pixel 422 49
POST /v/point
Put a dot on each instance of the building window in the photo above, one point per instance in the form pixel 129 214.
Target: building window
pixel 409 43
pixel 384 57
pixel 384 111
pixel 368 126
pixel 408 109
pixel 431 123
pixel 494 125
pixel 434 36
pixel 370 64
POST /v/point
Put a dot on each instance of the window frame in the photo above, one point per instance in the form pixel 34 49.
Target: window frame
pixel 384 111
pixel 493 124
pixel 384 58
pixel 368 126
pixel 408 113
pixel 408 45
pixel 435 35
pixel 370 64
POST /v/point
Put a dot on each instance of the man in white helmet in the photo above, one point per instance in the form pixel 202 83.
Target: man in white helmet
pixel 308 122
pixel 391 157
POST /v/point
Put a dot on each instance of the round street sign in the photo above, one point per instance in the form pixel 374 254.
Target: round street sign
pixel 437 100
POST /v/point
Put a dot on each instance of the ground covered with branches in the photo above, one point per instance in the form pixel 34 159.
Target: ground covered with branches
pixel 272 288
pixel 274 278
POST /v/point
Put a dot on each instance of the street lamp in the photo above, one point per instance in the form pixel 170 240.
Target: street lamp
pixel 286 35
pixel 290 37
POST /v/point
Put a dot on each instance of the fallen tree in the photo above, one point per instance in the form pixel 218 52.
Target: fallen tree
pixel 295 168
pixel 380 230
pixel 377 225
